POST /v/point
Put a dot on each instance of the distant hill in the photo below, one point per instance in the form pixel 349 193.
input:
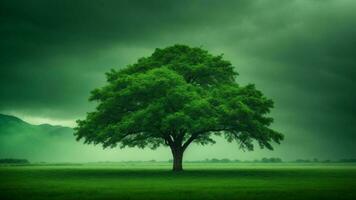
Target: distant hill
pixel 10 125
pixel 8 119
pixel 49 143
pixel 19 139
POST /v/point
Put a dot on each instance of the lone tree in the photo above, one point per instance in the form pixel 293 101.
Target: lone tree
pixel 174 97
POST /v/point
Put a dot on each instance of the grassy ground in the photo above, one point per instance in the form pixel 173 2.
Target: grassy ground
pixel 199 181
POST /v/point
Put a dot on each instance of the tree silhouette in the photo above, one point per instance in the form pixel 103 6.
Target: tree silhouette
pixel 174 97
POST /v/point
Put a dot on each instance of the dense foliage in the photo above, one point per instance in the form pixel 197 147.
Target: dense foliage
pixel 174 97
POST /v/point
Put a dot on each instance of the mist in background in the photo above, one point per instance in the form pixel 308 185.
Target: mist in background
pixel 299 53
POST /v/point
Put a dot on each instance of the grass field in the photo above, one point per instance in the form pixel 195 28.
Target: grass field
pixel 199 181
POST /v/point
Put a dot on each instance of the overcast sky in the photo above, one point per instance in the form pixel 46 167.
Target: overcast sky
pixel 301 54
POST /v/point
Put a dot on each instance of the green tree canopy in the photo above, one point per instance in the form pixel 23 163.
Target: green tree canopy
pixel 174 97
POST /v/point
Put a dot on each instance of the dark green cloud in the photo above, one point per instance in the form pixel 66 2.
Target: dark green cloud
pixel 299 52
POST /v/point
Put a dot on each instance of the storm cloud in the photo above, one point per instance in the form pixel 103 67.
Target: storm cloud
pixel 299 53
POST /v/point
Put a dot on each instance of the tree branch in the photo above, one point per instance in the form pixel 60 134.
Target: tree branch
pixel 190 140
pixel 196 135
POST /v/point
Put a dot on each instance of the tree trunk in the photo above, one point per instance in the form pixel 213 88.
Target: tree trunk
pixel 177 159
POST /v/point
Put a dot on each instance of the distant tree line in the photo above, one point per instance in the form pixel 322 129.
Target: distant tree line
pixel 348 160
pixel 13 161
pixel 226 160
pixel 315 160
pixel 268 160
pixel 271 160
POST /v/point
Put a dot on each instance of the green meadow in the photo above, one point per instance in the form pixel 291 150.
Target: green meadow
pixel 198 181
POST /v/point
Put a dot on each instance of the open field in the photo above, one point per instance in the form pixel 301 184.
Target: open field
pixel 199 181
